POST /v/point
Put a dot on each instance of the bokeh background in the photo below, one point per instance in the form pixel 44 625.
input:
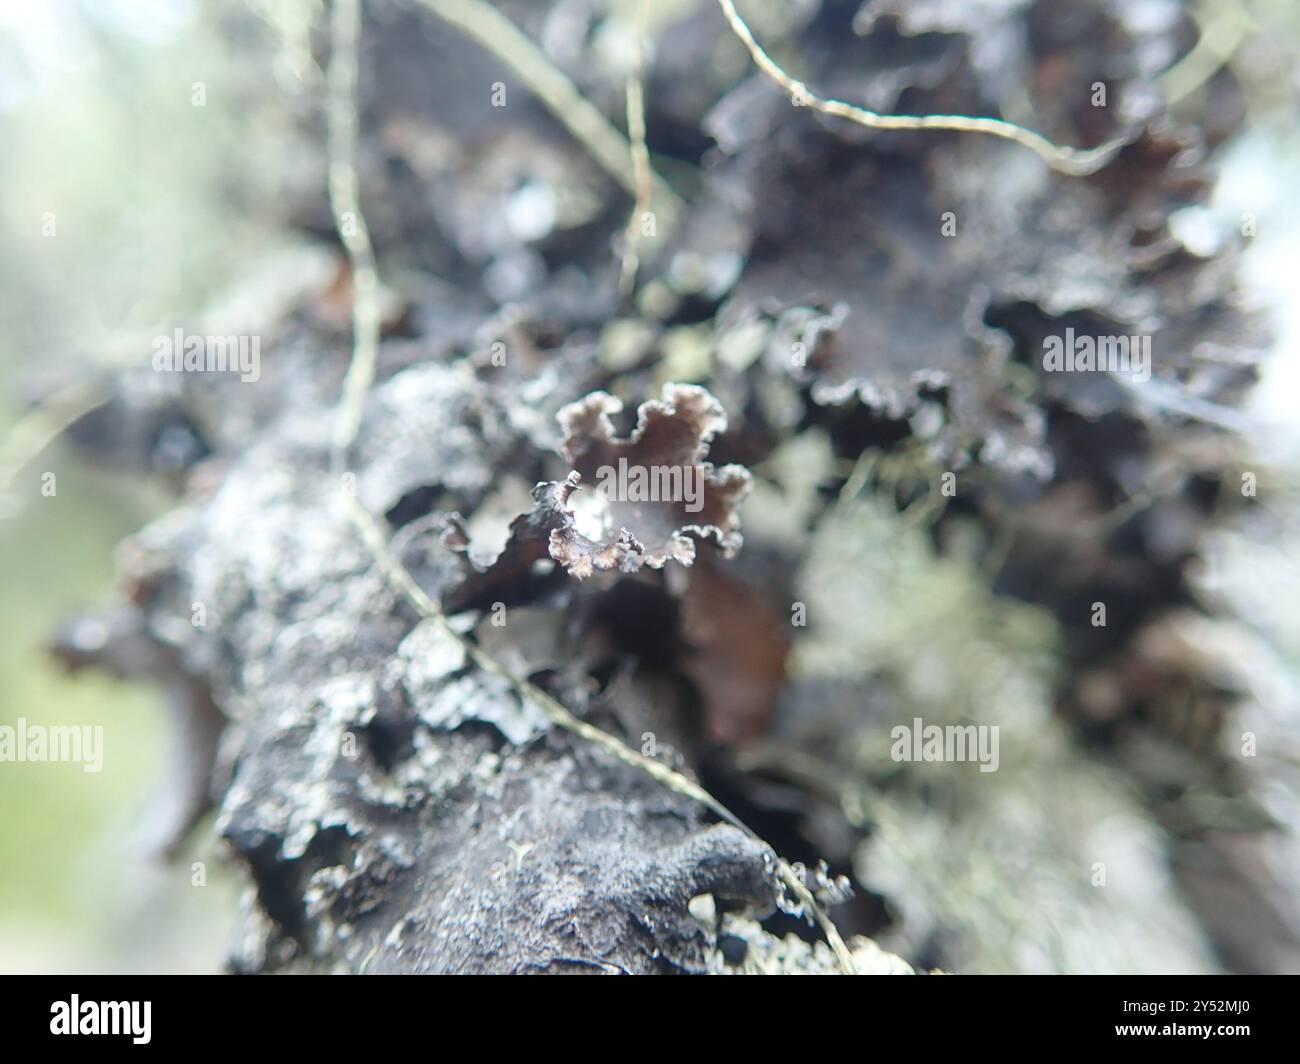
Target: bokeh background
pixel 155 206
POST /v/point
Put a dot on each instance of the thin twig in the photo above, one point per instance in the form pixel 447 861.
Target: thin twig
pixel 1219 37
pixel 493 31
pixel 345 28
pixel 1068 160
pixel 642 173
pixel 44 423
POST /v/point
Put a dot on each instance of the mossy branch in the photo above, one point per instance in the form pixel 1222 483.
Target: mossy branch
pixel 345 28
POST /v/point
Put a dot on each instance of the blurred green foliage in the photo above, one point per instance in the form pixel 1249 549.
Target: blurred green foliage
pixel 128 201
